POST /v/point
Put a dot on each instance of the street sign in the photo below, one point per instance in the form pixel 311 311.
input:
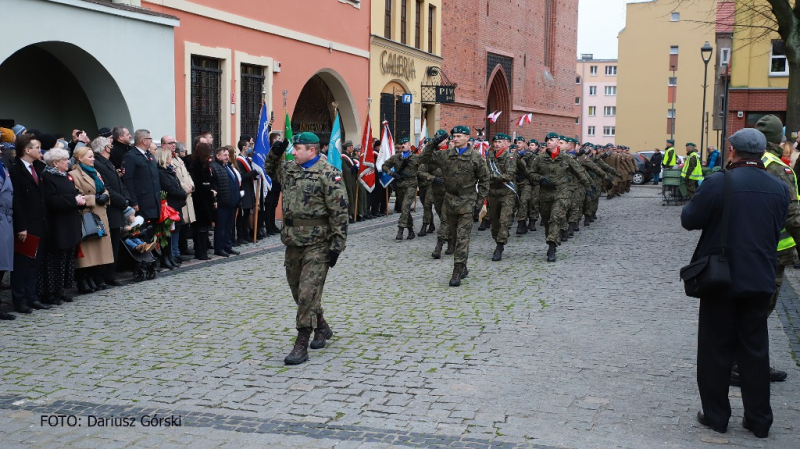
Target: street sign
pixel 445 94
pixel 405 99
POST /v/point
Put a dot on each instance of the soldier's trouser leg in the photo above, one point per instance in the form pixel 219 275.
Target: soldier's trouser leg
pixel 306 270
pixel 462 228
pixel 596 201
pixel 427 206
pixel 443 231
pixel 587 204
pixel 533 208
pixel 408 195
pixel 558 219
pixel 350 187
pixel 524 202
pixel 362 200
pixel 493 213
pixel 691 187
pixel 505 217
pixel 438 201
pixel 778 283
pixel 578 196
pixel 545 207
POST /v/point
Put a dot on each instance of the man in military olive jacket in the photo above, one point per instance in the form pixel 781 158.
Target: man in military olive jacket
pixel 523 184
pixel 597 175
pixel 405 165
pixel 502 191
pixel 314 232
pixel 462 169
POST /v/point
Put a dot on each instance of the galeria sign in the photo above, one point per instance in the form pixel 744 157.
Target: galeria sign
pixel 397 65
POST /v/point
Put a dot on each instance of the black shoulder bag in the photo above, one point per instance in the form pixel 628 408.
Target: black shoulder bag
pixel 709 274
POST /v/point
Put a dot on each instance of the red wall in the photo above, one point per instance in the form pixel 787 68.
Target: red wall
pixel 753 100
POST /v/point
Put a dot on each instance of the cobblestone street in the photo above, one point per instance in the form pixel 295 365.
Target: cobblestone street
pixel 594 351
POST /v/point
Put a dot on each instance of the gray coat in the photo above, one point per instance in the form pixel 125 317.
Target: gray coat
pixel 6 225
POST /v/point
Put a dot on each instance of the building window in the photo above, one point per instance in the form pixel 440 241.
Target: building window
pixel 592 90
pixel 778 64
pixel 592 111
pixel 670 113
pixel 609 131
pixel 610 111
pixel 673 49
pixel 676 17
pixel 611 70
pixel 418 24
pixel 610 90
pixel 577 80
pixel 387 20
pixel 721 105
pixel 549 32
pixel 250 97
pixel 673 80
pixel 590 131
pixel 592 70
pixel 577 120
pixel 577 100
pixel 724 56
pixel 206 90
pixel 403 21
pixel 431 21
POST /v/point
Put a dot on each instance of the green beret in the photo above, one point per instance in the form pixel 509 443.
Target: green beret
pixel 519 139
pixel 441 132
pixel 533 141
pixel 560 137
pixel 670 141
pixel 403 140
pixel 570 139
pixel 305 138
pixel 471 139
pixel 501 136
pixel 460 129
pixel 551 135
pixel 690 144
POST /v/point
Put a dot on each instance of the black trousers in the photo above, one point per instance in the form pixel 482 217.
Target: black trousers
pixel 270 204
pixel 734 329
pixel 243 224
pixel 110 270
pixel 25 277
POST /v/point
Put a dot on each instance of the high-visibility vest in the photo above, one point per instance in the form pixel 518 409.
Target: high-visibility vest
pixel 669 157
pixel 786 240
pixel 697 171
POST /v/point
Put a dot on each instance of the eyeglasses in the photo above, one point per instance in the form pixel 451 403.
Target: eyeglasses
pixel 148 138
pixel 169 143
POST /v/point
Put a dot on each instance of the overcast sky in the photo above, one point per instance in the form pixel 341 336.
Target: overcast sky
pixel 599 22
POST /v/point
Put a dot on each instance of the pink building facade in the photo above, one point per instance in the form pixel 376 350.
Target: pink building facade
pixel 596 100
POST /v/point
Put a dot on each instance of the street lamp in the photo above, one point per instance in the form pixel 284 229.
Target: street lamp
pixel 705 52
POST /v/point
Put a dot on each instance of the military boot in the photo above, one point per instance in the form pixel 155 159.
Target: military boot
pixel 431 228
pixel 484 224
pixel 455 279
pixel 423 231
pixel 551 252
pixel 451 248
pixel 321 334
pixel 299 353
pixel 399 233
pixel 576 226
pixel 464 272
pixel 571 229
pixel 522 227
pixel 587 220
pixel 411 234
pixel 532 225
pixel 498 252
pixel 594 218
pixel 437 252
pixel 564 236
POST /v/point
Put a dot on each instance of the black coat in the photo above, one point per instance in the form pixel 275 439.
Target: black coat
pixel 655 162
pixel 248 185
pixel 118 152
pixel 142 183
pixel 28 203
pixel 759 207
pixel 176 196
pixel 223 183
pixel 63 214
pixel 116 190
pixel 203 199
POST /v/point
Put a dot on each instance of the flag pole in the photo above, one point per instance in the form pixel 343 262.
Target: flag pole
pixel 258 195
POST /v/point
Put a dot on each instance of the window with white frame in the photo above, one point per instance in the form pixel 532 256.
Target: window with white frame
pixel 673 49
pixel 577 100
pixel 676 17
pixel 724 56
pixel 610 111
pixel 611 70
pixel 592 70
pixel 577 120
pixel 673 80
pixel 577 80
pixel 611 90
pixel 592 111
pixel 778 63
pixel 592 90
pixel 609 131
pixel 590 131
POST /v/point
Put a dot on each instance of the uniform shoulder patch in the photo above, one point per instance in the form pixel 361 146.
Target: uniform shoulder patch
pixel 787 170
pixel 337 178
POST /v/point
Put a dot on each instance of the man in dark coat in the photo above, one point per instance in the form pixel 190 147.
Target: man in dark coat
pixel 29 222
pixel 119 200
pixel 141 177
pixel 121 145
pixel 655 166
pixel 226 200
pixel 733 322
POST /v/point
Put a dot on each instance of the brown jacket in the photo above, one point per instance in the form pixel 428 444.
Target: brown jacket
pixel 98 251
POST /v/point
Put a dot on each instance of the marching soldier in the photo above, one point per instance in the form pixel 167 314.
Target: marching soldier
pixel 533 204
pixel 502 191
pixel 611 173
pixel 578 194
pixel 597 175
pixel 552 170
pixel 405 165
pixel 523 186
pixel 314 232
pixel 462 169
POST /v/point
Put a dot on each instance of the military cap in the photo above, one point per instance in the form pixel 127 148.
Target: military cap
pixel 560 137
pixel 347 143
pixel 460 129
pixel 670 141
pixel 551 135
pixel 519 139
pixel 471 139
pixel 533 141
pixel 305 138
pixel 690 144
pixel 771 127
pixel 572 140
pixel 440 132
pixel 403 140
pixel 501 136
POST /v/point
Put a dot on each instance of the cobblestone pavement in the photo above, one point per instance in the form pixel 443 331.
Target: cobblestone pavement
pixel 594 351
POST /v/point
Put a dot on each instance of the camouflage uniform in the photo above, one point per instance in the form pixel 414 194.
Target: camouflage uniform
pixel 406 185
pixel 614 161
pixel 609 186
pixel 314 222
pixel 461 173
pixel 554 200
pixel 577 196
pixel 527 209
pixel 597 176
pixel 434 198
pixel 502 201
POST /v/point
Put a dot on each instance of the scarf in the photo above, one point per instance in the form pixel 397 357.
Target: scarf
pixel 54 170
pixel 462 150
pixel 306 165
pixel 98 183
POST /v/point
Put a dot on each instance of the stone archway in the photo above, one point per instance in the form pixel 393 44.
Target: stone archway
pixel 314 110
pixel 499 99
pixel 58 86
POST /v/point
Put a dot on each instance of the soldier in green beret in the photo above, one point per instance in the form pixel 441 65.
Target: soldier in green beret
pixel 523 185
pixel 314 232
pixel 597 175
pixel 502 191
pixel 403 167
pixel 462 169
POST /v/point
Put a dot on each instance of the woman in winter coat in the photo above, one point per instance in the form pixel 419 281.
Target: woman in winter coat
pixel 94 252
pixel 176 199
pixel 6 228
pixel 205 185
pixel 63 228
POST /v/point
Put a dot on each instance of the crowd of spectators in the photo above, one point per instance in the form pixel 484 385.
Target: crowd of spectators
pixel 74 214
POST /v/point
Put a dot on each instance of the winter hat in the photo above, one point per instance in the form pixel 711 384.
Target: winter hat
pixel 18 129
pixel 6 135
pixel 771 127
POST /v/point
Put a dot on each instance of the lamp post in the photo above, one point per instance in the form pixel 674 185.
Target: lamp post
pixel 723 142
pixel 672 127
pixel 705 52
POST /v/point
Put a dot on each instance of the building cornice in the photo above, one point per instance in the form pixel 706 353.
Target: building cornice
pixel 129 12
pixel 380 41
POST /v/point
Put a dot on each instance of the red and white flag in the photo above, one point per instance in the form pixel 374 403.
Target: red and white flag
pixel 366 169
pixel 493 116
pixel 525 119
pixel 423 135
pixel 482 146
